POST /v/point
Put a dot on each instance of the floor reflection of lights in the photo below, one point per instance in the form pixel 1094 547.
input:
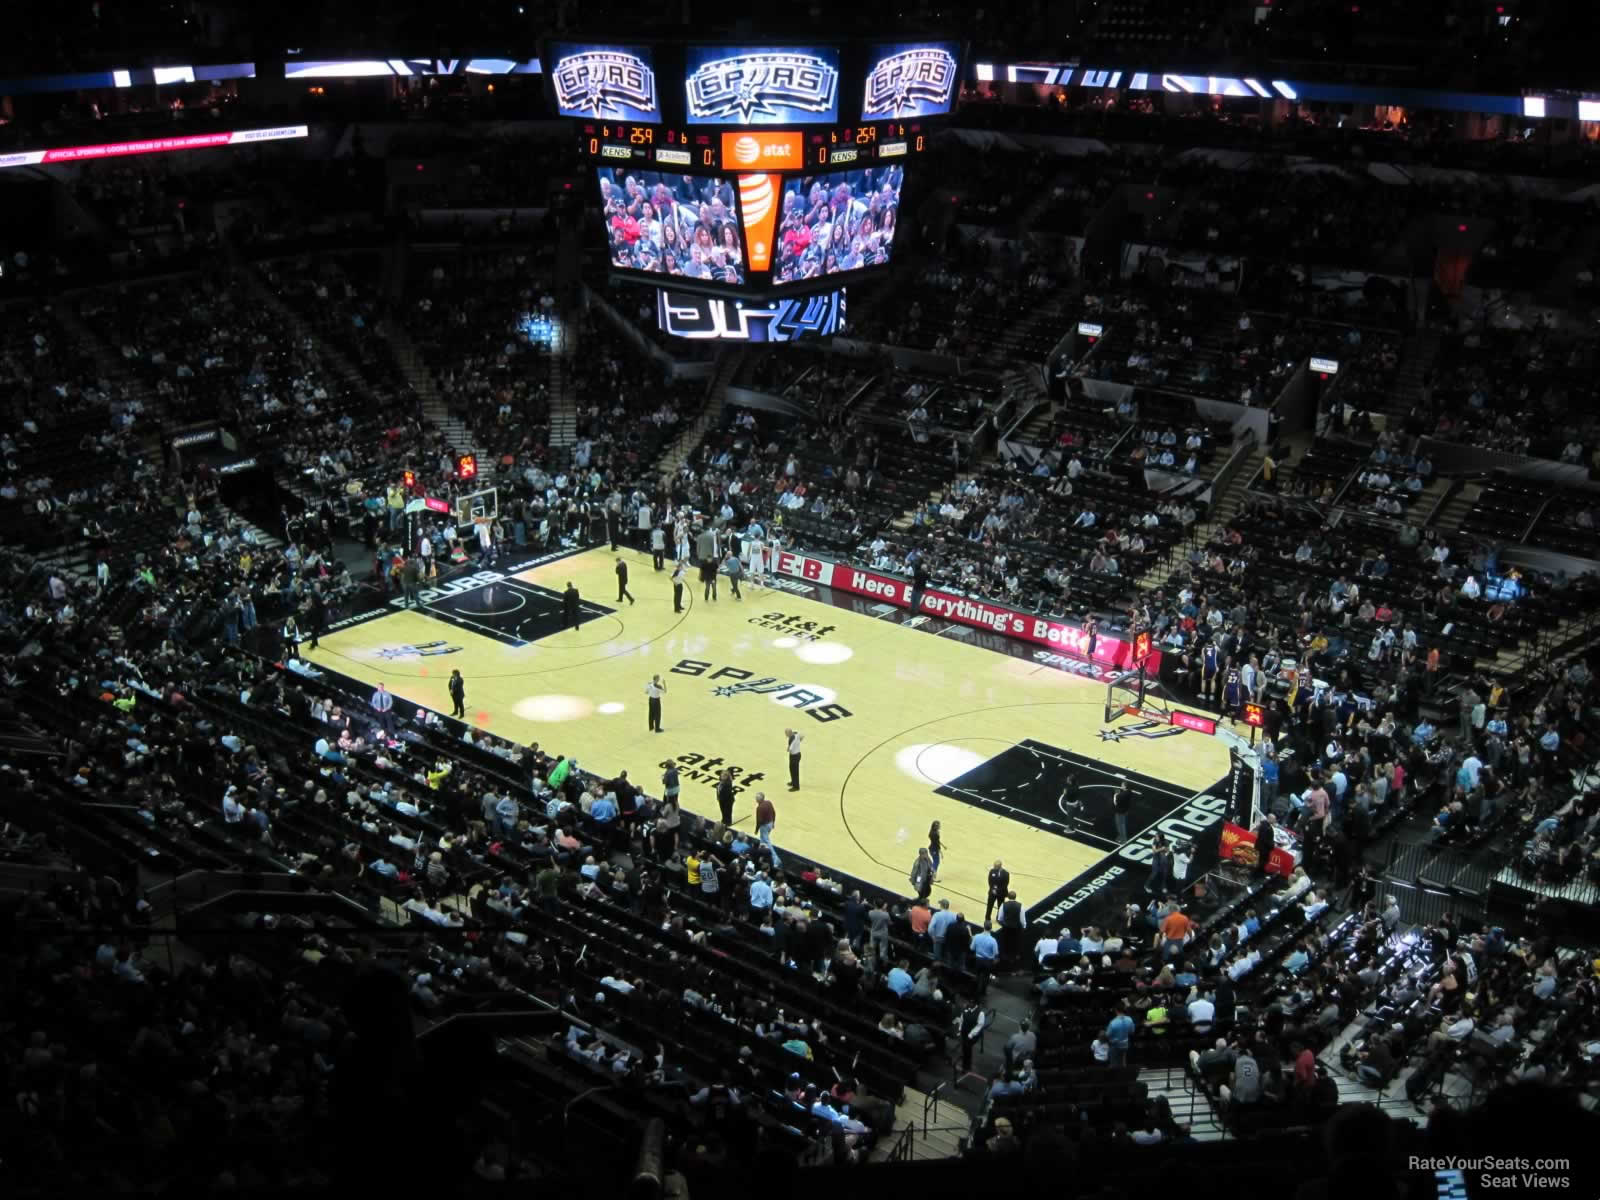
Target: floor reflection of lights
pixel 553 707
pixel 937 762
pixel 824 654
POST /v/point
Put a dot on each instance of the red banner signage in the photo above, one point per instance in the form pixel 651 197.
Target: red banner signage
pixel 161 145
pixel 964 610
pixel 1194 721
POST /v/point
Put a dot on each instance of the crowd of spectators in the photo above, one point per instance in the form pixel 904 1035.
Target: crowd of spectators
pixel 1513 390
pixel 1269 990
pixel 484 323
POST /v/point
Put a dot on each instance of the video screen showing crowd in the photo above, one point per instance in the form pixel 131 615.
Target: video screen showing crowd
pixel 843 221
pixel 674 225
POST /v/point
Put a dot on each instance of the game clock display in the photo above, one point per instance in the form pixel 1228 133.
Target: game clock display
pixel 663 145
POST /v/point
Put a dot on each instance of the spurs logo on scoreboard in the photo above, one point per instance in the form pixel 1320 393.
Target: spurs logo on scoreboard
pixel 771 84
pixel 605 83
pixel 911 82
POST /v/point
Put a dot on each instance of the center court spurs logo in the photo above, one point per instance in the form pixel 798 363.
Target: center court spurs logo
pixel 605 83
pixel 420 650
pixel 903 82
pixel 736 681
pixel 759 686
pixel 767 84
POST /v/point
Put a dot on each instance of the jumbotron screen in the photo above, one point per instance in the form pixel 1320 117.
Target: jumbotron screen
pixel 681 226
pixel 836 223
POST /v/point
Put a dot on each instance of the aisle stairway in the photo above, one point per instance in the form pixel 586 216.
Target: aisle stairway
pixel 1457 507
pixel 1417 356
pixel 78 558
pixel 114 369
pixel 1190 1106
pixel 729 359
pixel 340 368
pixel 945 1136
pixel 416 373
pixel 1223 508
pixel 419 376
pixel 563 393
pixel 1033 430
pixel 262 537
pixel 456 432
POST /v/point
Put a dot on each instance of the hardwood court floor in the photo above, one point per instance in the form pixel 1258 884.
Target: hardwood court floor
pixel 889 713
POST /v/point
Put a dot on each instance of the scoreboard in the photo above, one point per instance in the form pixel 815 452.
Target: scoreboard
pixel 665 146
pixel 751 171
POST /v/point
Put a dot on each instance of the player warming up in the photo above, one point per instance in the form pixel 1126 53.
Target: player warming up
pixel 755 546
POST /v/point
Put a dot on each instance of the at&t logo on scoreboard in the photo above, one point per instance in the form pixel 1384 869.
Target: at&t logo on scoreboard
pixel 762 86
pixel 605 81
pixel 910 81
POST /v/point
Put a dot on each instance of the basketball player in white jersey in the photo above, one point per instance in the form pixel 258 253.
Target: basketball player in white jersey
pixel 680 534
pixel 774 548
pixel 755 567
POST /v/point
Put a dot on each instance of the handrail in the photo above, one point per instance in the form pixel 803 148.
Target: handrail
pixel 931 1102
pixel 1240 454
pixel 902 1151
pixel 597 1090
pixel 1451 491
pixel 1022 419
pixel 1526 537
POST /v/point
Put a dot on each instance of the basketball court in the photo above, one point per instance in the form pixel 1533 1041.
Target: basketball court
pixel 902 727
